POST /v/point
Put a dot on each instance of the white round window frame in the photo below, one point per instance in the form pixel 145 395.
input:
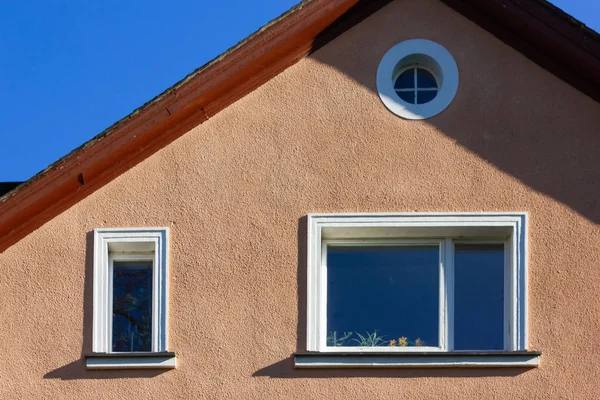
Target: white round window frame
pixel 419 53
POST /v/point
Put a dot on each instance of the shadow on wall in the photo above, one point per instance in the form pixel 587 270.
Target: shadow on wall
pixel 301 277
pixel 77 369
pixel 508 111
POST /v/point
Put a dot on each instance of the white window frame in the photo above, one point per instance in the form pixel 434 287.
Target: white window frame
pixel 130 244
pixel 405 228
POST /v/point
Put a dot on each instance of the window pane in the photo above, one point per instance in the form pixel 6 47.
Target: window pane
pixel 132 306
pixel 408 97
pixel 425 96
pixel 390 291
pixel 425 79
pixel 405 80
pixel 479 297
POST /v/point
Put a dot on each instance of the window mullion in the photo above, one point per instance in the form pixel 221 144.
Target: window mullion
pixel 415 82
pixel 443 326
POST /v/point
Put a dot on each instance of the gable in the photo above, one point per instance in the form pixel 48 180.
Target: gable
pixel 569 53
pixel 321 122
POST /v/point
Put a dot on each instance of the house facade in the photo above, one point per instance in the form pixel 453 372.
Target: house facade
pixel 240 207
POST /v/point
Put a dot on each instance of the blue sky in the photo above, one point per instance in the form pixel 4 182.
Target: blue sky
pixel 69 69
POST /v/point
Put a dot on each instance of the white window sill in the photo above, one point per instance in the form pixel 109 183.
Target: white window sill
pixel 163 360
pixel 502 359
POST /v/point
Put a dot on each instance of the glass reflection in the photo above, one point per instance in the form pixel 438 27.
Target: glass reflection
pixel 479 297
pixel 425 79
pixel 382 295
pixel 405 80
pixel 132 306
pixel 408 97
pixel 425 96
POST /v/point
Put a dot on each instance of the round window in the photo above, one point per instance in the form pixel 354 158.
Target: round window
pixel 416 85
pixel 417 79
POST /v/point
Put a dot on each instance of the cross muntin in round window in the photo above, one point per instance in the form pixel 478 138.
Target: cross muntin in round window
pixel 416 85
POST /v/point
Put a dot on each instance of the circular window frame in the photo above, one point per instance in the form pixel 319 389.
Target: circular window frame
pixel 424 54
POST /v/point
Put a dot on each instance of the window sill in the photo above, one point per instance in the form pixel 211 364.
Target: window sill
pixel 502 359
pixel 162 360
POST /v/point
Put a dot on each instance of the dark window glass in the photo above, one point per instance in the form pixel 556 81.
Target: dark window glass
pixel 479 297
pixel 425 79
pixel 382 296
pixel 132 306
pixel 408 97
pixel 406 80
pixel 425 96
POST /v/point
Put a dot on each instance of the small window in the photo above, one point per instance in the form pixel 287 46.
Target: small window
pixel 130 299
pixel 131 304
pixel 417 79
pixel 417 283
pixel 416 85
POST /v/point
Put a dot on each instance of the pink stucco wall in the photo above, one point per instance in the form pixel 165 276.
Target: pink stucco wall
pixel 316 138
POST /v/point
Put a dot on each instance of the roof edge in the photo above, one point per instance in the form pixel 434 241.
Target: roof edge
pixel 543 33
pixel 190 102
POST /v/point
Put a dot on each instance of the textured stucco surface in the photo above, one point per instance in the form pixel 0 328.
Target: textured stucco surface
pixel 317 139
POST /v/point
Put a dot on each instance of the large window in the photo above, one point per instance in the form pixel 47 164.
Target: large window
pixel 417 283
pixel 130 299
